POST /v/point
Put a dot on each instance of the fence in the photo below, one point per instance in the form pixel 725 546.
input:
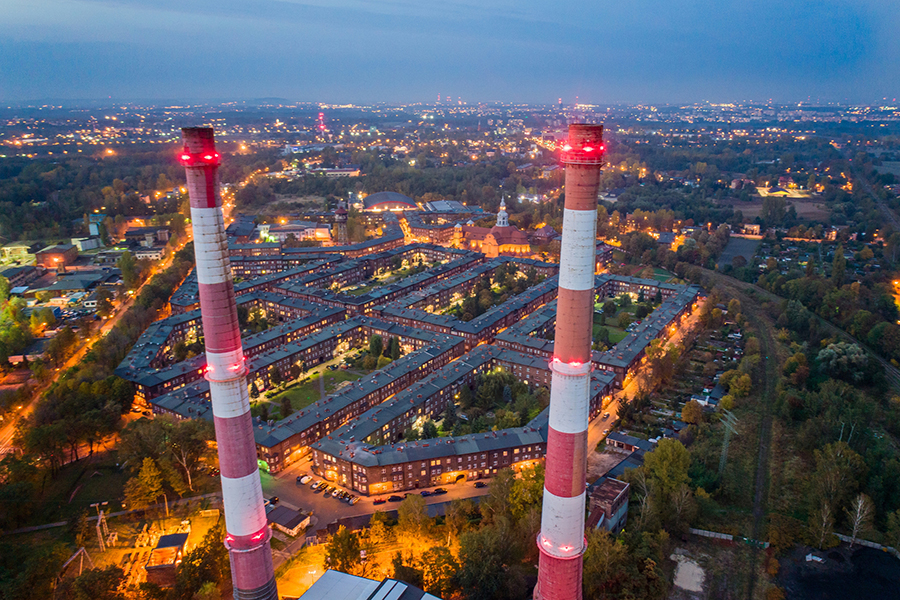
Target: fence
pixel 890 550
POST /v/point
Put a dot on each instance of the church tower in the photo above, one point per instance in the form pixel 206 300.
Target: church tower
pixel 502 216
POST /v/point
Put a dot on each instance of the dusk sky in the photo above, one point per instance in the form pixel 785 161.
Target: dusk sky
pixel 406 50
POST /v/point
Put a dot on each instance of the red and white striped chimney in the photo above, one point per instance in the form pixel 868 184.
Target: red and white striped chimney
pixel 248 535
pixel 561 540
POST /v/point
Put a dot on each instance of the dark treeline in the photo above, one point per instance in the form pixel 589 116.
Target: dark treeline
pixel 40 198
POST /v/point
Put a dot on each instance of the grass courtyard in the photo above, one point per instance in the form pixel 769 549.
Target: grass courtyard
pixel 304 394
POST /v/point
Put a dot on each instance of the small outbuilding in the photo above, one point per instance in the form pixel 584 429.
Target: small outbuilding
pixel 165 558
pixel 288 520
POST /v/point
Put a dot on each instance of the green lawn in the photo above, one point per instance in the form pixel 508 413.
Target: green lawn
pixel 79 485
pixel 362 290
pixel 616 335
pixel 307 393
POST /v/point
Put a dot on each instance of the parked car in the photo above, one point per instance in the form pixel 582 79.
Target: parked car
pixel 354 500
pixel 480 484
pixel 305 479
pixel 395 499
pixel 605 415
pixel 379 501
pixel 438 492
pixel 425 493
pixel 315 485
pixel 335 493
pixel 273 500
pixel 606 432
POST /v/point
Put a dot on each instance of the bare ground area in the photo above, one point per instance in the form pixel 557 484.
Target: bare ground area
pixel 601 462
pixel 707 569
pixel 297 203
pixel 858 574
pixel 738 247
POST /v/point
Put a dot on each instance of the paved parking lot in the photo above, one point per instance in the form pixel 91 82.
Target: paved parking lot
pixel 327 509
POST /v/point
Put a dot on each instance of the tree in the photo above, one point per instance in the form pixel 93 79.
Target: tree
pixel 482 573
pixel 740 386
pixel 294 371
pixel 604 562
pixel 80 528
pixel 838 266
pixel 395 348
pixel 609 308
pixel 286 407
pixel 208 591
pixel 413 521
pixel 527 492
pixel 406 569
pixel 837 474
pixel 187 444
pixel 456 517
pixel 821 525
pixel 692 413
pixel 104 302
pixel 438 571
pixel 378 530
pixel 207 563
pixel 667 467
pixel 859 516
pixel 143 490
pixel 773 210
pixel 4 289
pixel 129 269
pixel 94 584
pixel 375 346
pixel 844 361
pixel 429 430
pixel 342 551
pixel 893 529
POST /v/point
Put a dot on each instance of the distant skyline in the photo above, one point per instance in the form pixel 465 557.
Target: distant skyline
pixel 650 51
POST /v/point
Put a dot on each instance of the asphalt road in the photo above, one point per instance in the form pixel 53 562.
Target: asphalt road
pixel 8 431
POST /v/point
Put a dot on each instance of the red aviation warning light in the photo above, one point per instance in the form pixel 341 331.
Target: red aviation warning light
pixel 192 160
pixel 575 154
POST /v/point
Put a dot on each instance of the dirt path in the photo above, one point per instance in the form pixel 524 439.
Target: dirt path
pixel 768 370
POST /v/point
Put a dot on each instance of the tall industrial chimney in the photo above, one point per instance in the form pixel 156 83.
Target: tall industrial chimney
pixel 248 535
pixel 561 540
